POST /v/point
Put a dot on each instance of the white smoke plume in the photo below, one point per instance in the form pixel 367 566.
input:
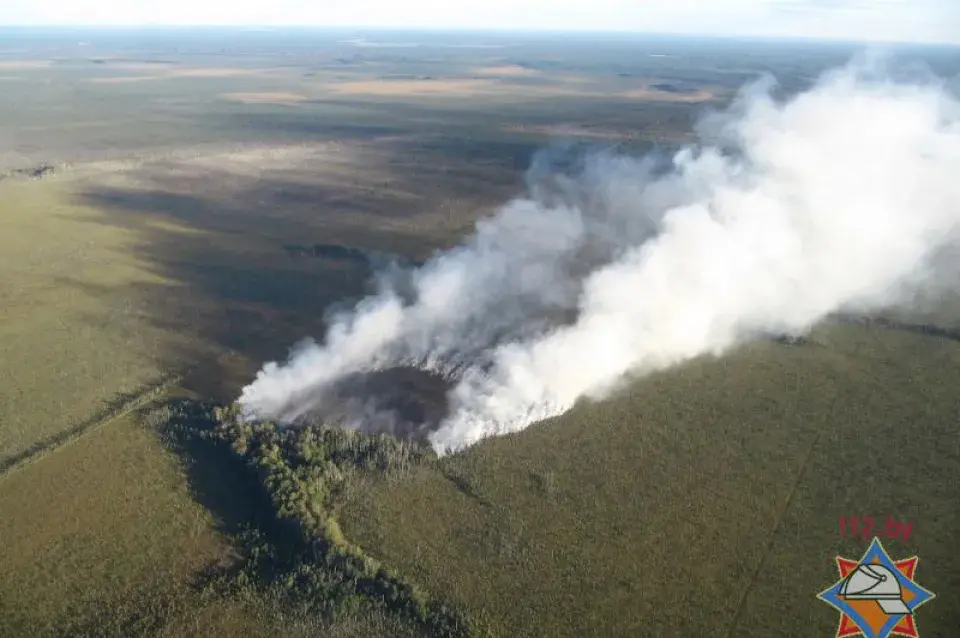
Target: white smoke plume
pixel 844 197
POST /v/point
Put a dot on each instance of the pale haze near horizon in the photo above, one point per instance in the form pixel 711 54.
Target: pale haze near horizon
pixel 922 21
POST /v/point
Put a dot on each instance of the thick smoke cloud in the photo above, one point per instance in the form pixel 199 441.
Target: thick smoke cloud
pixel 845 197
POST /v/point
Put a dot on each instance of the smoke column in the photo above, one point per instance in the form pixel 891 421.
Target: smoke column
pixel 844 197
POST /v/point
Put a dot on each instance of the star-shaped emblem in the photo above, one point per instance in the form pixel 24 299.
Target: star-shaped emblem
pixel 876 595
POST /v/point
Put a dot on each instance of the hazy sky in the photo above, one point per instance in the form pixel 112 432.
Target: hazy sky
pixel 892 20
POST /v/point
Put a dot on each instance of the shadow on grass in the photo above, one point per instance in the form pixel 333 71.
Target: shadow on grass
pixel 219 480
pixel 248 263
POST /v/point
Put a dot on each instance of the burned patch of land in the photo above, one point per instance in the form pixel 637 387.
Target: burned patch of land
pixel 403 402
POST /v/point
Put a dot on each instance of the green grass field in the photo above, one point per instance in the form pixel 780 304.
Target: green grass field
pixel 98 524
pixel 110 541
pixel 700 501
pixel 67 344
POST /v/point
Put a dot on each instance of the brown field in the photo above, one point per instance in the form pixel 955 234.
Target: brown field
pixel 655 95
pixel 128 79
pixel 452 87
pixel 223 72
pixel 175 72
pixel 561 87
pixel 138 66
pixel 25 64
pixel 513 70
pixel 266 98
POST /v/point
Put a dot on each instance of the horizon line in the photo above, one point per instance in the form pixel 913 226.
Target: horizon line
pixel 489 29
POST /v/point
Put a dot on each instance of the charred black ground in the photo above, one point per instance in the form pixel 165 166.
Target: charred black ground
pixel 405 402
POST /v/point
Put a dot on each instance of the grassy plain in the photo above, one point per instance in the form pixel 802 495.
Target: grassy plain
pixel 210 191
pixel 700 501
pixel 96 525
pixel 67 344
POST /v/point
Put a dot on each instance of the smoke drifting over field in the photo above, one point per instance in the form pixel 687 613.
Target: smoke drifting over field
pixel 845 197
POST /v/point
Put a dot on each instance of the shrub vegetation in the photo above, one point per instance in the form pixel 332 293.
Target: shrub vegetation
pixel 298 554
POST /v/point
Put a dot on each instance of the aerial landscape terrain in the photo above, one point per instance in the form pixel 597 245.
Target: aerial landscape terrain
pixel 180 207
